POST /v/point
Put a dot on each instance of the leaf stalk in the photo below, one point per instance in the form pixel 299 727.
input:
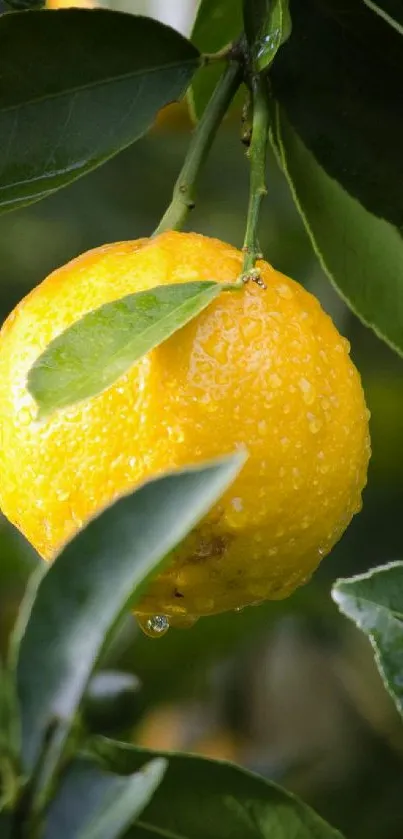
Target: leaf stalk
pixel 183 199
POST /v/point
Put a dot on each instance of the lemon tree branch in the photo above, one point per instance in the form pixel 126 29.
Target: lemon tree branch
pixel 257 155
pixel 183 199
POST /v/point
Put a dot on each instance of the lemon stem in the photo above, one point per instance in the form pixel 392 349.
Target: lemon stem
pixel 183 199
pixel 257 154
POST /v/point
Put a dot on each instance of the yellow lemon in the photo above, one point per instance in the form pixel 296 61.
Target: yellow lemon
pixel 261 368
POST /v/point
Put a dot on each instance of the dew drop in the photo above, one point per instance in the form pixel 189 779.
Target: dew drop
pixel 237 504
pixel 62 494
pixel 285 291
pixel 275 380
pixel 154 627
pixel 314 423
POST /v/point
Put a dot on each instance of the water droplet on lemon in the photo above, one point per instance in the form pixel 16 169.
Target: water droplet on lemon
pixel 154 627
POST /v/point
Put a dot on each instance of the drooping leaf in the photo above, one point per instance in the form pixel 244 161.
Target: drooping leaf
pixel 374 601
pixel 218 23
pixel 76 87
pixel 390 10
pixel 72 608
pixel 362 254
pixel 96 804
pixel 216 800
pixel 267 26
pixel 92 353
pixel 338 79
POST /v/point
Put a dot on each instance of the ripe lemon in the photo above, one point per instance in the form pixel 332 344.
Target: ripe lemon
pixel 264 368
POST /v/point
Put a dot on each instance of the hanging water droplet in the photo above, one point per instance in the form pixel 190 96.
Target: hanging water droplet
pixel 154 627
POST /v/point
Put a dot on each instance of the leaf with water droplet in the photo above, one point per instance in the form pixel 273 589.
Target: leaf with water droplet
pixel 267 26
pixel 73 604
pixel 91 354
pixel 374 601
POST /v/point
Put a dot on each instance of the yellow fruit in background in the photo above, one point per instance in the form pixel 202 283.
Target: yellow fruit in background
pixel 262 368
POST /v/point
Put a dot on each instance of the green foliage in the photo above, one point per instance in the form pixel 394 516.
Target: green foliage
pixel 350 118
pixel 91 788
pixel 77 86
pixel 112 800
pixel 71 609
pixel 101 346
pixel 216 800
pixel 374 601
pixel 362 254
pixel 343 158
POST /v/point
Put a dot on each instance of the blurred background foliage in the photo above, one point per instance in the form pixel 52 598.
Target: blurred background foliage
pixel 289 689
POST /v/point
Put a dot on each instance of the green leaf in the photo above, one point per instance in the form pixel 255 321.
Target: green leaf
pixel 338 79
pixel 362 254
pixel 77 86
pixel 374 601
pixel 217 24
pixel 267 26
pixel 72 608
pixel 205 799
pixel 92 353
pixel 389 10
pixel 110 802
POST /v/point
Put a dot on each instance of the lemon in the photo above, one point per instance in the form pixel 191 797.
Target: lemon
pixel 261 368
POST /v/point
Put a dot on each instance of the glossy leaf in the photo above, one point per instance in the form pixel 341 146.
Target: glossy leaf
pixel 374 601
pixel 95 804
pixel 92 353
pixel 217 24
pixel 267 26
pixel 204 799
pixel 362 254
pixel 389 10
pixel 76 87
pixel 73 607
pixel 338 78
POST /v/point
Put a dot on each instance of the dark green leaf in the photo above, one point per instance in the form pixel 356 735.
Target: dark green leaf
pixel 338 78
pixel 95 804
pixel 390 10
pixel 76 87
pixel 361 253
pixel 217 24
pixel 374 601
pixel 97 349
pixel 204 799
pixel 73 607
pixel 6 825
pixel 267 26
